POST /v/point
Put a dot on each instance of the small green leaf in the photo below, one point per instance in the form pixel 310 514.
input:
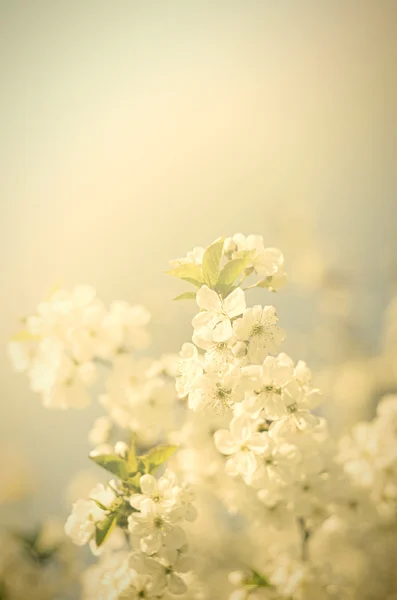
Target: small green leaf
pixel 112 463
pixel 190 272
pixel 258 579
pixel 234 268
pixel 157 456
pixel 104 528
pixel 132 463
pixel 186 296
pixel 211 263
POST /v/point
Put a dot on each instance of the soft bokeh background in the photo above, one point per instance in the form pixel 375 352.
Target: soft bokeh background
pixel 132 131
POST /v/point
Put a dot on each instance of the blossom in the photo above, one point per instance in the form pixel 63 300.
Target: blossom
pixel 175 563
pixel 217 313
pixel 158 490
pixel 292 412
pixel 156 528
pixel 219 389
pixel 243 445
pixel 268 381
pixel 194 256
pixel 258 327
pixel 267 262
pixel 190 370
pixel 80 525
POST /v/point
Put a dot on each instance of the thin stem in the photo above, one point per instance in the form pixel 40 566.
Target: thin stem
pixel 103 362
pixel 305 539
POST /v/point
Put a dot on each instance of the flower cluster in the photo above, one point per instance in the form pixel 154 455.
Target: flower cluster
pixel 62 344
pixel 138 519
pixel 369 456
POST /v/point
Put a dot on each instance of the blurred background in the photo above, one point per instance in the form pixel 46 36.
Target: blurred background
pixel 133 131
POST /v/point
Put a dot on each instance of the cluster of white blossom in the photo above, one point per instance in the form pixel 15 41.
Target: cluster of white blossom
pixel 279 503
pixel 135 524
pixel 61 345
pixel 369 456
pixel 140 397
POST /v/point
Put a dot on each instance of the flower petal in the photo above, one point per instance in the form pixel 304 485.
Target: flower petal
pixel 208 299
pixel 224 442
pixel 176 585
pixel 223 330
pixel 241 428
pixel 234 304
pixel 175 538
pixel 258 443
pixel 148 485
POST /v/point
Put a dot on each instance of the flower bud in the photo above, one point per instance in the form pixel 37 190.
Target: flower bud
pixel 240 349
pixel 121 449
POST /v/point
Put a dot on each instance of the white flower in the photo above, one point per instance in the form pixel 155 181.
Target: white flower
pixel 184 497
pixel 194 256
pixel 217 313
pixel 128 324
pixel 243 444
pixel 217 353
pixel 159 491
pixel 292 412
pixel 267 262
pixel 148 579
pixel 258 327
pixel 80 525
pixel 156 528
pixel 359 453
pixel 190 370
pixel 219 389
pixel 175 562
pixel 268 381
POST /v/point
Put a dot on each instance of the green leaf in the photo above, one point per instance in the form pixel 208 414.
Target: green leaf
pixel 211 263
pixel 132 462
pixel 112 463
pixel 190 272
pixel 234 268
pixel 157 456
pixel 104 528
pixel 186 296
pixel 258 579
